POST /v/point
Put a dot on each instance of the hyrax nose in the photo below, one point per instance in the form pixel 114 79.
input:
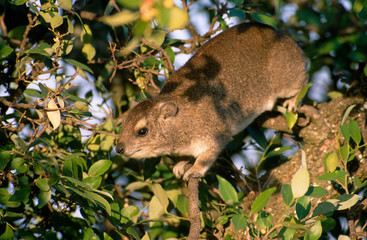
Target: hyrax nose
pixel 120 148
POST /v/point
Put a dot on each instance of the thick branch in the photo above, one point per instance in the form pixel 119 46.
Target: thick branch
pixel 194 210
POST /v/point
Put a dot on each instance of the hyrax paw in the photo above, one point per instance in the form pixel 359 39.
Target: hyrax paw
pixel 179 169
pixel 192 173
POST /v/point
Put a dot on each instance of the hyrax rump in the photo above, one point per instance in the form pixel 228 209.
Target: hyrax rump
pixel 231 80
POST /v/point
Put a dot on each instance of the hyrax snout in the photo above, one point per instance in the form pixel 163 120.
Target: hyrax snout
pixel 231 80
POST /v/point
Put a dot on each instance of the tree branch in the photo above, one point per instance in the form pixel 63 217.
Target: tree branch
pixel 194 210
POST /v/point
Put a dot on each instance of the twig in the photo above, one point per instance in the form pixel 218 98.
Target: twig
pixel 160 49
pixel 194 210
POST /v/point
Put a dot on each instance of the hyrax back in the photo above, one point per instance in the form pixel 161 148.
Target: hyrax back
pixel 231 80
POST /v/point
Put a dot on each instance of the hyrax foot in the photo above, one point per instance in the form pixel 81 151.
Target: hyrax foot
pixel 179 169
pixel 290 104
pixel 196 171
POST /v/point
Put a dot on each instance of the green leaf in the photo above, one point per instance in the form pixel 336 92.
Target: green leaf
pixel 56 21
pixel 227 191
pixel 235 12
pixel 363 13
pixel 156 36
pixel 70 26
pixel 277 151
pixel 310 16
pixel 155 208
pixel 330 45
pixel 115 217
pixel 133 232
pixel 291 118
pixel 107 143
pixel 343 237
pixel 88 215
pixel 17 2
pixel 302 93
pixel 182 205
pixel 345 131
pixel 324 208
pixel 287 233
pixel 332 176
pixel 47 15
pixel 103 193
pixel 261 201
pixel 345 152
pixel 347 112
pixel 258 136
pixel 150 167
pixel 5 50
pixel 74 98
pixel 300 182
pixel 287 194
pixel 43 198
pixel 238 2
pixel 318 192
pixel 328 224
pixel 127 213
pixel 65 4
pixel 77 182
pixel 303 207
pixel 8 233
pixel 223 219
pixel 38 51
pixel 264 220
pixel 135 4
pixel 17 32
pixel 265 19
pixel 358 6
pixel 347 201
pixel 21 195
pixel 136 186
pixel 88 234
pixel 68 168
pixel 93 182
pixel 19 142
pixel 15 164
pixel 173 18
pixel 121 18
pixel 100 201
pixel 171 54
pixel 78 64
pixel 331 162
pixel 89 51
pixel 293 225
pixel 355 132
pixel 42 184
pixel 33 93
pixel 44 91
pixel 99 167
pixel 239 222
pixel 161 194
pixel 4 159
pixel 315 231
pixel 106 236
pixel 146 236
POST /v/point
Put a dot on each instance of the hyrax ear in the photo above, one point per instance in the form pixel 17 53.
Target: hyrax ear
pixel 167 110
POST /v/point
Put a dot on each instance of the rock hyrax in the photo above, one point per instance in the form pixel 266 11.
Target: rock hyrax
pixel 231 80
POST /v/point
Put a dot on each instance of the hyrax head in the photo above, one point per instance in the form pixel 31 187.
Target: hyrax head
pixel 146 130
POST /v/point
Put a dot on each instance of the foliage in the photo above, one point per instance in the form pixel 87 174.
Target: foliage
pixel 71 69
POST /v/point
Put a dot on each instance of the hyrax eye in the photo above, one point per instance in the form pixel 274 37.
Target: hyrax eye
pixel 142 132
